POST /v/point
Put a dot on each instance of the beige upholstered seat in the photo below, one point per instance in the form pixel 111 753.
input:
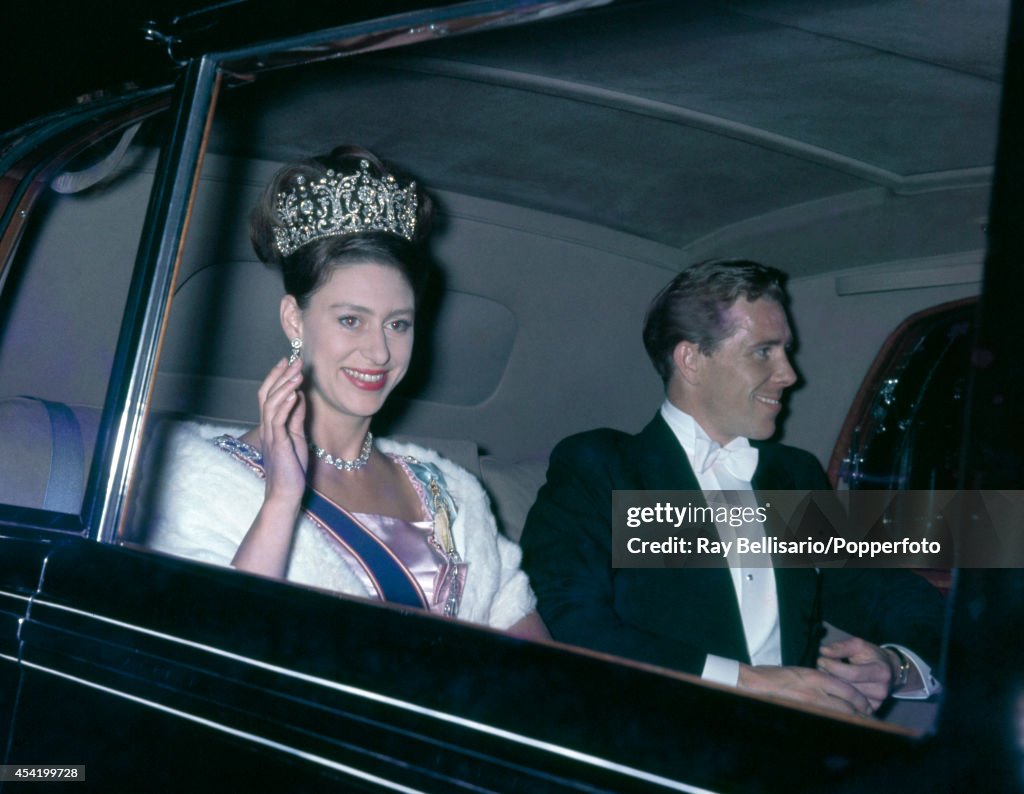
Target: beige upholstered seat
pixel 27 449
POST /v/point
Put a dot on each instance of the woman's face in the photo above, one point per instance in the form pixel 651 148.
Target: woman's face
pixel 357 335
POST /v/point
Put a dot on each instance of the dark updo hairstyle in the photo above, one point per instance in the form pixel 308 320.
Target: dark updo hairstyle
pixel 692 307
pixel 306 269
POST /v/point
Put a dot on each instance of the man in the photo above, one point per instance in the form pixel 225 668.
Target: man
pixel 719 336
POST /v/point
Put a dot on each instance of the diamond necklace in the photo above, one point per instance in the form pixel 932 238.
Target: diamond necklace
pixel 340 463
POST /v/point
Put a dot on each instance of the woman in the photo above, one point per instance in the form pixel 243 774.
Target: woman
pixel 307 494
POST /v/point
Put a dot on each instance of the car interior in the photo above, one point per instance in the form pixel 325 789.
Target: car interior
pixel 577 164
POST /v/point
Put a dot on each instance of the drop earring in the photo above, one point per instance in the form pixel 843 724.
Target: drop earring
pixel 296 350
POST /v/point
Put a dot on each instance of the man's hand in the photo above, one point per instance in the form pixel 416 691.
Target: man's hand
pixel 805 685
pixel 872 670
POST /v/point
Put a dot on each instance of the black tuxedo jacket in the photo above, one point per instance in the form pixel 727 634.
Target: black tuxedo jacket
pixel 674 617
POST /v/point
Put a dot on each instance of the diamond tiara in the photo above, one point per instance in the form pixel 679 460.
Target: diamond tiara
pixel 343 204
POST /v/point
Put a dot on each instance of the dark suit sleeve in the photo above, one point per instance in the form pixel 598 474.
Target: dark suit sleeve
pixel 885 606
pixel 881 605
pixel 567 553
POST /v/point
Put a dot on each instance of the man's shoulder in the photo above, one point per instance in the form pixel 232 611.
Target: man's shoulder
pixel 600 443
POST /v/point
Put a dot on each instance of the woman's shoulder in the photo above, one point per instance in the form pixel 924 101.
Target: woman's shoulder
pixel 197 500
pixel 454 474
pixel 183 448
pixel 176 439
pixel 186 432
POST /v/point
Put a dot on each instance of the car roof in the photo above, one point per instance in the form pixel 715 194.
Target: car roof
pixel 693 126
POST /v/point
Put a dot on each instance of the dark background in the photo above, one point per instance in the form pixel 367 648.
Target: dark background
pixel 54 51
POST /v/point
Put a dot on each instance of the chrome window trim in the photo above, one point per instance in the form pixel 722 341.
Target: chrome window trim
pixel 394 31
pixel 148 300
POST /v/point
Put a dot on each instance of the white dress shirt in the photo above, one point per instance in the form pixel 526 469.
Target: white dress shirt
pixel 731 469
pixel 755 587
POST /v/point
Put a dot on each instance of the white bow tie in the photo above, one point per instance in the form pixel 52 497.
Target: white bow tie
pixel 737 457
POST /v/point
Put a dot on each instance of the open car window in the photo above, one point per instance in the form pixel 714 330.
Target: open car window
pixel 472 394
pixel 63 295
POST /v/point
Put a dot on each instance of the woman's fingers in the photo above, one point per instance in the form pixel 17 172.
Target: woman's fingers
pixel 297 430
pixel 296 423
pixel 278 392
pixel 282 430
pixel 274 376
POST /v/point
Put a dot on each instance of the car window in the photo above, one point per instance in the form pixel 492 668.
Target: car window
pixel 512 311
pixel 63 294
pixel 905 428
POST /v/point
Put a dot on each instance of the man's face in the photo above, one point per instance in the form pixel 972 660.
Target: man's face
pixel 737 390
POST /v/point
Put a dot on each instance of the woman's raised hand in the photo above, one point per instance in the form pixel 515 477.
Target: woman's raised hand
pixel 282 431
pixel 265 547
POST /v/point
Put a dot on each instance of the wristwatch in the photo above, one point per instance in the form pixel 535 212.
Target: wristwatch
pixel 904 672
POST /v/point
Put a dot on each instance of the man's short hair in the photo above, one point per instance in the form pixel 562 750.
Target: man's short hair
pixel 692 307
